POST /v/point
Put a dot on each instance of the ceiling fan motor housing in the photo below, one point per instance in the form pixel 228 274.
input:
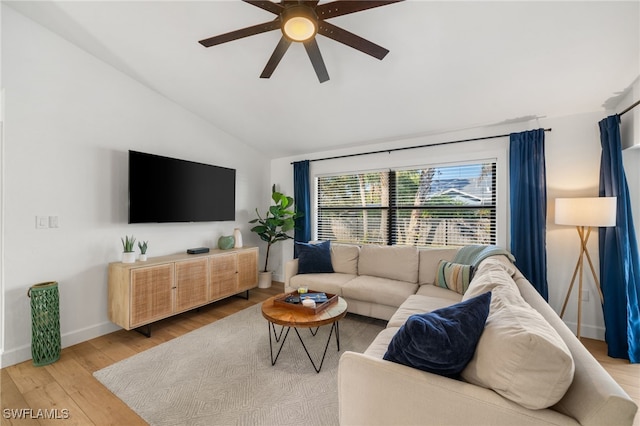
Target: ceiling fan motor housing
pixel 299 23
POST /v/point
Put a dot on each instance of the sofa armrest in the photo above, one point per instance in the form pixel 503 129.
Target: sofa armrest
pixel 594 397
pixel 290 270
pixel 373 391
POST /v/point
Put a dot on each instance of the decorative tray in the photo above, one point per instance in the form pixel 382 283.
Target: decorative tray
pixel 287 300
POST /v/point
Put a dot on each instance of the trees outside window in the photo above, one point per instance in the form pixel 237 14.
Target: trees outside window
pixel 429 206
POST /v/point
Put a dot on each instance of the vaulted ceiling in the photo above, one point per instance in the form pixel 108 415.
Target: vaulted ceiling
pixel 452 65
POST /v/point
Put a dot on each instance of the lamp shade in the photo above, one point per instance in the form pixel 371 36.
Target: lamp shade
pixel 592 211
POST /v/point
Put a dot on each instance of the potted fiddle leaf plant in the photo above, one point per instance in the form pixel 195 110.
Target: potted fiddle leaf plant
pixel 274 226
pixel 128 253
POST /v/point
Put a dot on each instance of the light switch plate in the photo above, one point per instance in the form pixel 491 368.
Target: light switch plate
pixel 585 295
pixel 42 222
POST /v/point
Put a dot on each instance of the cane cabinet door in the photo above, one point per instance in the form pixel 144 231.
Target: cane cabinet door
pixel 192 279
pixel 151 293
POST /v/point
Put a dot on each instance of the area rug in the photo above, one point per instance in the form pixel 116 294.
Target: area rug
pixel 221 374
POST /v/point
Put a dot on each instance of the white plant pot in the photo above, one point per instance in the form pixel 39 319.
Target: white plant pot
pixel 142 258
pixel 264 279
pixel 129 257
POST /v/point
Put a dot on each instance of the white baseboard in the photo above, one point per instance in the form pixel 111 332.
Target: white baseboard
pixel 588 331
pixel 23 353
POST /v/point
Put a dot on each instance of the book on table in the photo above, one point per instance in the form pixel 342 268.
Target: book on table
pixel 316 297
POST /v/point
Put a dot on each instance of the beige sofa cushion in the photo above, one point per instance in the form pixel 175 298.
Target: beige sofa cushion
pixel 392 262
pixel 439 292
pixel 429 260
pixel 328 283
pixel 380 344
pixel 382 291
pixel 417 304
pixel 519 355
pixel 344 258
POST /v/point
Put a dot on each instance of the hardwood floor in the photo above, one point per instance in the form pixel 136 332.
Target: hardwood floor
pixel 68 391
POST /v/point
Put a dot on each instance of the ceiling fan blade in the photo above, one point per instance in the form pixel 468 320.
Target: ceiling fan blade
pixel 350 39
pixel 339 8
pixel 311 46
pixel 267 5
pixel 244 32
pixel 276 56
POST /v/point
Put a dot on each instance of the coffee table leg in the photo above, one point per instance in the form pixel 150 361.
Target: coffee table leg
pixel 318 368
pixel 277 337
pixel 337 325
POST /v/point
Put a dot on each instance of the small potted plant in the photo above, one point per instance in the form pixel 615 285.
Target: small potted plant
pixel 273 227
pixel 143 250
pixel 128 255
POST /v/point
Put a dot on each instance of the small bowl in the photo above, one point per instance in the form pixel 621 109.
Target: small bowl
pixel 309 303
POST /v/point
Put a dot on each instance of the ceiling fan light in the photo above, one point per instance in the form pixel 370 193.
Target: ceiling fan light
pixel 299 28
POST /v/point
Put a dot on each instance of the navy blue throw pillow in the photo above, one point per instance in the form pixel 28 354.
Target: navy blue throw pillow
pixel 443 341
pixel 314 258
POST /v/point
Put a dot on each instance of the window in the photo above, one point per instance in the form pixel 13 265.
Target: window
pixel 354 208
pixel 430 206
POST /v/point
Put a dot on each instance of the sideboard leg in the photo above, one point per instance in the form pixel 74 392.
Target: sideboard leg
pixel 246 295
pixel 145 332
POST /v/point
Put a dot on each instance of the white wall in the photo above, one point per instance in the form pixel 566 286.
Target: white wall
pixel 572 165
pixel 69 121
pixel 630 135
pixel 2 306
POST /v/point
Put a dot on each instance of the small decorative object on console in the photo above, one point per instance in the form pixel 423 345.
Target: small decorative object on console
pixel 238 238
pixel 128 255
pixel 226 242
pixel 143 250
pixel 198 250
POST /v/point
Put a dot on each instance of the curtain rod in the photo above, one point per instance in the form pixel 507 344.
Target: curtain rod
pixel 630 108
pixel 413 147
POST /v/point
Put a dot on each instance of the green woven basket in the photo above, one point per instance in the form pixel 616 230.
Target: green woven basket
pixel 45 323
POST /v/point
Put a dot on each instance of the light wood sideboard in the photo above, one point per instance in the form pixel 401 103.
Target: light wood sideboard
pixel 144 292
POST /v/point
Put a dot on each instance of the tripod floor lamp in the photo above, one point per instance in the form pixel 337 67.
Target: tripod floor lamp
pixel 584 214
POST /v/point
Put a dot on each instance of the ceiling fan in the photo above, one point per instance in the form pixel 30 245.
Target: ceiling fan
pixel 300 21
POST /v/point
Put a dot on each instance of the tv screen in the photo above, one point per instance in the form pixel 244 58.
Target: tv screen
pixel 163 189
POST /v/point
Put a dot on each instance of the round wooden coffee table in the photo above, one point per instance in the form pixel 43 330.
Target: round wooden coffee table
pixel 294 317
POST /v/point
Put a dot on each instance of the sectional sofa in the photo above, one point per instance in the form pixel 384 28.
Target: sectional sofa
pixel 527 366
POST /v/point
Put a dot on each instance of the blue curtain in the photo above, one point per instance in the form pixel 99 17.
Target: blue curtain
pixel 302 199
pixel 528 191
pixel 619 261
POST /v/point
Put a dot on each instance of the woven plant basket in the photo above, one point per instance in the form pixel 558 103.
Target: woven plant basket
pixel 45 323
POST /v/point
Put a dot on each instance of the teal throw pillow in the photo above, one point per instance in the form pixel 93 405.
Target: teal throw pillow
pixel 314 258
pixel 443 341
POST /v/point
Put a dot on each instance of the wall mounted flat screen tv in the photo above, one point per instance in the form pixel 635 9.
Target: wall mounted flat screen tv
pixel 163 189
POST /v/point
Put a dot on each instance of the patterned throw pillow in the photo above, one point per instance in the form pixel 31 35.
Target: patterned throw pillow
pixel 453 276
